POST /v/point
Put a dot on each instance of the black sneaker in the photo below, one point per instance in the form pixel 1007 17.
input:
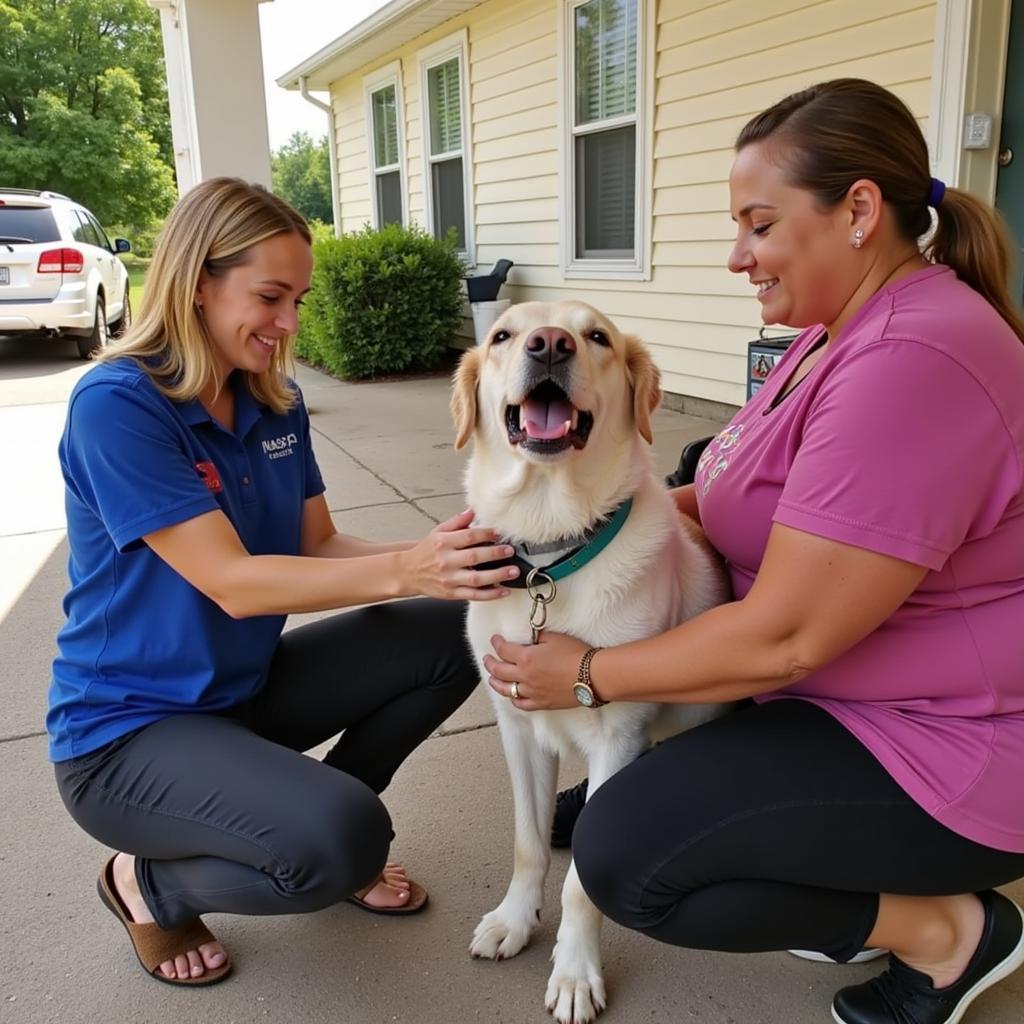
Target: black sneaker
pixel 568 805
pixel 902 995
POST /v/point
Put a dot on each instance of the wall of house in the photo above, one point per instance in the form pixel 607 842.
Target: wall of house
pixel 716 64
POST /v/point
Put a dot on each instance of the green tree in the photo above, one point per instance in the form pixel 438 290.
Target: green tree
pixel 83 105
pixel 302 175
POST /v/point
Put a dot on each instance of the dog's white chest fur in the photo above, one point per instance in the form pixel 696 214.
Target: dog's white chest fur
pixel 651 577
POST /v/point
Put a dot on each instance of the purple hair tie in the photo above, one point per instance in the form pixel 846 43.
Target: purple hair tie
pixel 935 192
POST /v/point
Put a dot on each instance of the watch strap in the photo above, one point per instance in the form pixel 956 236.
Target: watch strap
pixel 583 675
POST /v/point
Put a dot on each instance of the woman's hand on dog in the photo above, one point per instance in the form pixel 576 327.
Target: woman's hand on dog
pixel 443 564
pixel 544 673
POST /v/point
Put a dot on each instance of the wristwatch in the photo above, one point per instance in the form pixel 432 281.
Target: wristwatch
pixel 582 688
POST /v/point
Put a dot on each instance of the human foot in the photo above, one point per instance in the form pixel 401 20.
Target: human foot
pixel 944 952
pixel 389 890
pixel 904 993
pixel 191 964
pixel 393 892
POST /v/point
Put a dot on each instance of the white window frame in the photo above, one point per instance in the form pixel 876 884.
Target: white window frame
pixel 440 52
pixel 637 267
pixel 390 74
pixel 948 88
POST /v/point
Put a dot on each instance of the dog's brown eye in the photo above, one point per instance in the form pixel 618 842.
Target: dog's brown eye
pixel 500 336
pixel 600 337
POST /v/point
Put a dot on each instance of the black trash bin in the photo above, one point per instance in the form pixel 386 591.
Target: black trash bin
pixel 485 287
pixel 482 291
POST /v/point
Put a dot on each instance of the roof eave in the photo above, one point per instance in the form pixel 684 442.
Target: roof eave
pixel 329 64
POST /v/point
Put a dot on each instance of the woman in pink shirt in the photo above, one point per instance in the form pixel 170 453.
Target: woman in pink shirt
pixel 869 501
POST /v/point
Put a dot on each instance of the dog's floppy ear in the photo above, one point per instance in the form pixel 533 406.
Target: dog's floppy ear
pixel 463 403
pixel 646 381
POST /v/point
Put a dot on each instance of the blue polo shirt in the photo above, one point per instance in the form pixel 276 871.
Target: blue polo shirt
pixel 140 642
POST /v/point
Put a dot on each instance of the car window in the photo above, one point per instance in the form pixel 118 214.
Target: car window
pixel 101 234
pixel 87 233
pixel 80 228
pixel 35 223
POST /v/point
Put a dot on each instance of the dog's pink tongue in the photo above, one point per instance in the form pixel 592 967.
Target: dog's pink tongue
pixel 546 420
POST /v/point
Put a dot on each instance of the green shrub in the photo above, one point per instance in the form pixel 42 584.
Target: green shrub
pixel 142 236
pixel 319 229
pixel 381 302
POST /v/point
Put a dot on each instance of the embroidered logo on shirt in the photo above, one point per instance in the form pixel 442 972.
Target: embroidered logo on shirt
pixel 280 447
pixel 208 472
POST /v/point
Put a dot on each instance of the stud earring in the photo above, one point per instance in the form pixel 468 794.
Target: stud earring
pixel 858 238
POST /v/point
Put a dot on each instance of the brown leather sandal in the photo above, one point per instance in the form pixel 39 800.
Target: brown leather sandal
pixel 153 944
pixel 416 902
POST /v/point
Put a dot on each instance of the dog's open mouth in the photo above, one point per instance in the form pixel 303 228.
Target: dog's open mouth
pixel 547 422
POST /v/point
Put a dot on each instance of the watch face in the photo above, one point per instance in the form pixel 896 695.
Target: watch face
pixel 583 695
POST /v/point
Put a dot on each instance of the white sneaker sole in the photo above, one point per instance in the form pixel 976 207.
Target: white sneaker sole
pixel 1001 970
pixel 863 957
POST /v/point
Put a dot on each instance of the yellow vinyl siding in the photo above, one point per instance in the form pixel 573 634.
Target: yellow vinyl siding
pixel 514 70
pixel 518 212
pixel 540 187
pixel 539 72
pixel 716 65
pixel 348 101
pixel 805 38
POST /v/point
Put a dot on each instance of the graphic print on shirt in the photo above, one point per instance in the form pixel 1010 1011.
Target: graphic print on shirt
pixel 208 472
pixel 715 461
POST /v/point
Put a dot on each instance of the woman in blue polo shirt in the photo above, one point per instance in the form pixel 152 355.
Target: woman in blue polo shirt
pixel 196 523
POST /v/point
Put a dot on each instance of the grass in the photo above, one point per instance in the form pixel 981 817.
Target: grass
pixel 137 269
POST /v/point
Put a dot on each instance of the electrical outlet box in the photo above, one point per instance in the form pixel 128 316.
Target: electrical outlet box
pixel 978 131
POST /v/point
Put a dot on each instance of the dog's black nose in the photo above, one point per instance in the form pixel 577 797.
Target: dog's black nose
pixel 550 345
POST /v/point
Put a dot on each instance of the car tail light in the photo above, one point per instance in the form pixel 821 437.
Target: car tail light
pixel 60 261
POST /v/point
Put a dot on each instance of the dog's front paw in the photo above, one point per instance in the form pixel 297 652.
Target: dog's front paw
pixel 501 934
pixel 575 997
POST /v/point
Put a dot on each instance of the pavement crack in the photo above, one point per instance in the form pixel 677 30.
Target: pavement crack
pixel 415 502
pixel 361 465
pixel 22 736
pixel 441 734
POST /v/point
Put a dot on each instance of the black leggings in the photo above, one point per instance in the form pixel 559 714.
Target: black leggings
pixel 223 811
pixel 772 828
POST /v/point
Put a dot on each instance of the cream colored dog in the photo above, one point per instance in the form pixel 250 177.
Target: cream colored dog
pixel 559 405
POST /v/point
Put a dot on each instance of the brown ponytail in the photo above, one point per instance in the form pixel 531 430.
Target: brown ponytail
pixel 971 238
pixel 832 134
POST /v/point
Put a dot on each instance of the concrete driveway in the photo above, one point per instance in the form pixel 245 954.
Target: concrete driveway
pixel 385 450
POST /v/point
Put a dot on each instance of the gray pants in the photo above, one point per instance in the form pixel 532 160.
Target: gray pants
pixel 223 811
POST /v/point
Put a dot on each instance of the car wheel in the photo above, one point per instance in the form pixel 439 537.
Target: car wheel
pixel 120 326
pixel 100 334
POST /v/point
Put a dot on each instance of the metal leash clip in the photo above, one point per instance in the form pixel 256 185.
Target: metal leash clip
pixel 536 581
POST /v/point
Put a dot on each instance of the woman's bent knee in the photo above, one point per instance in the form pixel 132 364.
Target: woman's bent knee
pixel 344 848
pixel 602 862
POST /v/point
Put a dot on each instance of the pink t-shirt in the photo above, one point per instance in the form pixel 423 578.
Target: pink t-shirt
pixel 906 438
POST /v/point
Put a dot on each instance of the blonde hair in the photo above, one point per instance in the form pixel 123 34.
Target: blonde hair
pixel 828 136
pixel 211 228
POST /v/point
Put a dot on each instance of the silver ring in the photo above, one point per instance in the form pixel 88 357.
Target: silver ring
pixel 514 692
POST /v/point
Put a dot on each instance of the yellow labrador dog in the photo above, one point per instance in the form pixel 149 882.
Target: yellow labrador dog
pixel 559 405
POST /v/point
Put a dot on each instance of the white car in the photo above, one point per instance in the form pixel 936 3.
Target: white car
pixel 59 274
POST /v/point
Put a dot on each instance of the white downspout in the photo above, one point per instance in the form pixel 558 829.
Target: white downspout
pixel 331 154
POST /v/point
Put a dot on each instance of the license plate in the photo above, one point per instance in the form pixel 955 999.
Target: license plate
pixel 5 275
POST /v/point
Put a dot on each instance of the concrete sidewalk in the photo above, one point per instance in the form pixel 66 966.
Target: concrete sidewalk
pixel 386 454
